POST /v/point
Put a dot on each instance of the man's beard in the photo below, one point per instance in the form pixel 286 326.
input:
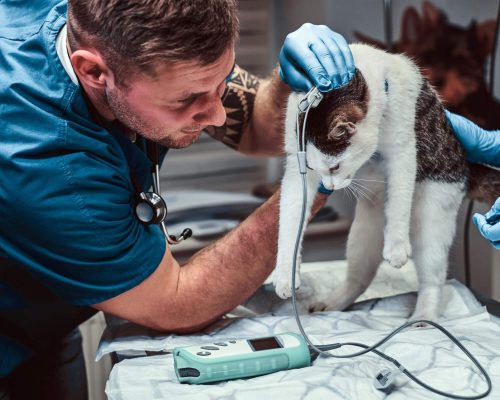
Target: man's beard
pixel 127 117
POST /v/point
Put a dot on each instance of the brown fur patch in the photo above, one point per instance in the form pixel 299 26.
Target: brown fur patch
pixel 331 125
pixel 439 154
pixel 440 157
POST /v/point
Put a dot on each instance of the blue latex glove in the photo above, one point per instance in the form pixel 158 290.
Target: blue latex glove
pixel 489 224
pixel 480 145
pixel 314 55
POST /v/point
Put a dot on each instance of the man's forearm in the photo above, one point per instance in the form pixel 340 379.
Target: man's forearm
pixel 255 114
pixel 266 130
pixel 225 274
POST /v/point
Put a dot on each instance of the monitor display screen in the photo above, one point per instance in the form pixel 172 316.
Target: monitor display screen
pixel 264 344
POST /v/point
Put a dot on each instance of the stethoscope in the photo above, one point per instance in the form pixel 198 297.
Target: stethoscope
pixel 150 207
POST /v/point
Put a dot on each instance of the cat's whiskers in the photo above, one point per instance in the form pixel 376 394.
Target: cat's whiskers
pixel 350 193
pixel 365 188
pixel 360 194
pixel 359 189
pixel 368 180
pixel 356 192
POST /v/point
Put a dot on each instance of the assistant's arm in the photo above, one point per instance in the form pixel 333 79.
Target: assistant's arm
pixel 481 146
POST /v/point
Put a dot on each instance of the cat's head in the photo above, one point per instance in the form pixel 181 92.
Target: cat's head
pixel 338 143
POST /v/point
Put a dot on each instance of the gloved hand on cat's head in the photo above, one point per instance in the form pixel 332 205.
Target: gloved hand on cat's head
pixel 481 146
pixel 489 224
pixel 314 55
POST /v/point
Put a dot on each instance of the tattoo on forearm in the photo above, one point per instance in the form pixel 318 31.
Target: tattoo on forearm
pixel 239 106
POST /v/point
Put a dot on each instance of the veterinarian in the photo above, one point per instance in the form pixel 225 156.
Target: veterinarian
pixel 80 92
pixel 481 147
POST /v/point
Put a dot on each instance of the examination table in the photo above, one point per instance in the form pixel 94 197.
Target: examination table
pixel 142 372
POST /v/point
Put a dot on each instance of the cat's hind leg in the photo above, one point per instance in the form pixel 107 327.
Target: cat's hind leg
pixel 434 224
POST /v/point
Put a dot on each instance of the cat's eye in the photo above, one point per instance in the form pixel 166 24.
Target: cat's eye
pixel 334 168
pixel 439 82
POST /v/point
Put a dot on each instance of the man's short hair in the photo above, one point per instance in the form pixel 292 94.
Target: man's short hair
pixel 135 36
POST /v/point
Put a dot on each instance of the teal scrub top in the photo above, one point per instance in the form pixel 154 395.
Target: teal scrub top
pixel 68 234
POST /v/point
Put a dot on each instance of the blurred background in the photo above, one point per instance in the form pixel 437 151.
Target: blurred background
pixel 454 42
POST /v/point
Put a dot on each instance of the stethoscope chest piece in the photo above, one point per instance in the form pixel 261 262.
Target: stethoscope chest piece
pixel 150 208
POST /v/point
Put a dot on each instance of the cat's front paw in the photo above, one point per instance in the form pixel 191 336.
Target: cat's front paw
pixel 282 281
pixel 397 252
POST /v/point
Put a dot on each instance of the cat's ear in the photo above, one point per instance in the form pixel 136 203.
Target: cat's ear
pixel 485 36
pixel 433 17
pixel 411 28
pixel 342 128
pixel 368 40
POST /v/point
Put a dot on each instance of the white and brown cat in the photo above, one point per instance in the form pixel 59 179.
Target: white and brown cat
pixel 387 131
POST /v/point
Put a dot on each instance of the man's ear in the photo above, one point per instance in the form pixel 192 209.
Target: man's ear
pixel 342 128
pixel 91 69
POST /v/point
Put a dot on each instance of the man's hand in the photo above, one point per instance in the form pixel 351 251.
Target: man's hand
pixel 480 145
pixel 489 224
pixel 314 55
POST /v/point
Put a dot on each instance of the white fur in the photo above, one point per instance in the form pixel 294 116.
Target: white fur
pixel 385 209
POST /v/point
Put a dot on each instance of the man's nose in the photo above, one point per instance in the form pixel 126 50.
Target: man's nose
pixel 214 114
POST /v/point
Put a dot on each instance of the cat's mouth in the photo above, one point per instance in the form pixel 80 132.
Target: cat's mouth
pixel 330 185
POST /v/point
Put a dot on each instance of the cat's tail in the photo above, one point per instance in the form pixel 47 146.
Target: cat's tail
pixel 484 183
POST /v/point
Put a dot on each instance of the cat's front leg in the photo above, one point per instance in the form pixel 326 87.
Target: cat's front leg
pixel 290 215
pixel 401 171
